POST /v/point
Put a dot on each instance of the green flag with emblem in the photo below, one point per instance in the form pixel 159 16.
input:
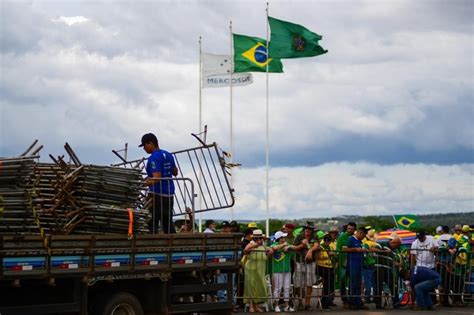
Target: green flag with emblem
pixel 289 40
pixel 250 55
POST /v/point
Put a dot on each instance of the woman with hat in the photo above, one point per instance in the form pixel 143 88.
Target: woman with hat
pixel 281 268
pixel 255 287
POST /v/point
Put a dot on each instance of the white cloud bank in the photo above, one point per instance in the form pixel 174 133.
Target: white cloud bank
pixel 353 188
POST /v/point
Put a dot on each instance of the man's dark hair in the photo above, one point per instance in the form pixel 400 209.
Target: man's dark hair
pixel 352 224
pixel 209 222
pixel 248 231
pixel 421 234
pixel 235 226
pixel 362 229
pixel 445 229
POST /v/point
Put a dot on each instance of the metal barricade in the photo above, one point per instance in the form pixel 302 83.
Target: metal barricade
pixel 272 281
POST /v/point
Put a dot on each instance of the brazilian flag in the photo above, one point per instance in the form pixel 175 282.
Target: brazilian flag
pixel 406 221
pixel 251 55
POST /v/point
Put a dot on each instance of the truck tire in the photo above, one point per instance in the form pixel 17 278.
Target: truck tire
pixel 121 303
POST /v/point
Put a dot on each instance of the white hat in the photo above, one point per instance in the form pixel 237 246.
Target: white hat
pixel 257 233
pixel 280 234
pixel 439 229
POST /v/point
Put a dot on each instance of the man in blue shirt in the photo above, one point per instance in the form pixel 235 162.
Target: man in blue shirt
pixel 424 280
pixel 354 268
pixel 159 167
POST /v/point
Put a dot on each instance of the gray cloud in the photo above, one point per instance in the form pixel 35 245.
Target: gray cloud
pixel 395 87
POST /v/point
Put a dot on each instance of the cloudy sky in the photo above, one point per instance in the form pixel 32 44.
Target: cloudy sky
pixel 381 124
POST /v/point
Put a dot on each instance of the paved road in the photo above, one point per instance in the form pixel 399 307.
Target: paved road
pixel 468 310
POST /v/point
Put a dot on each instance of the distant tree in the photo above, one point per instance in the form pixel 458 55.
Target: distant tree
pixel 276 225
pixel 378 223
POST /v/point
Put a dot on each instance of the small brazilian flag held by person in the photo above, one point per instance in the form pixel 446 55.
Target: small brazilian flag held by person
pixel 250 55
pixel 406 221
pixel 289 40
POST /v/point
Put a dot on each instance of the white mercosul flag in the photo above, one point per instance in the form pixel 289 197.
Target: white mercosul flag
pixel 216 71
pixel 216 64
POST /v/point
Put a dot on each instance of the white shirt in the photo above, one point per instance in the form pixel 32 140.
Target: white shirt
pixel 443 239
pixel 421 250
pixel 208 231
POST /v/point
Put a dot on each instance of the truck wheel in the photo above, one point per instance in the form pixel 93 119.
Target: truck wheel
pixel 121 304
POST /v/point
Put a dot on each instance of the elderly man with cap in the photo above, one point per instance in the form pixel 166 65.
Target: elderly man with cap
pixel 160 168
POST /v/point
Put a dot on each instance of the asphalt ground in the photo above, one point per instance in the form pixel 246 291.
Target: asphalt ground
pixel 467 310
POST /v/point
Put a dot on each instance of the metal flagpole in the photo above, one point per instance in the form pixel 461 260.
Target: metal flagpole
pixel 395 220
pixel 200 124
pixel 267 147
pixel 231 118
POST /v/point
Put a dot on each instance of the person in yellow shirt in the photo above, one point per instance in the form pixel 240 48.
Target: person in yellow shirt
pixel 325 269
pixel 439 231
pixel 368 270
pixel 457 232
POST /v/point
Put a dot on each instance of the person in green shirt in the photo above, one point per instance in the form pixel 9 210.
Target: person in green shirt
pixel 389 263
pixel 281 271
pixel 341 265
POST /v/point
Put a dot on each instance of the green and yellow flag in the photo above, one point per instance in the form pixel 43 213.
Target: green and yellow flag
pixel 250 55
pixel 289 40
pixel 406 221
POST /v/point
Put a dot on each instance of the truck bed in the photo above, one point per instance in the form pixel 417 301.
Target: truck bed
pixel 108 257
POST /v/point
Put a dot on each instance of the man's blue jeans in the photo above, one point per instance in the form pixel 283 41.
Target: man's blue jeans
pixel 368 273
pixel 422 292
pixel 355 278
pixel 222 294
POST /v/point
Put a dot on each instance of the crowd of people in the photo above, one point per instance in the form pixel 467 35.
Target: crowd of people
pixel 288 267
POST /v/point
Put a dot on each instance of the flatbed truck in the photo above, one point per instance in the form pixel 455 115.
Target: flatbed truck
pixel 116 274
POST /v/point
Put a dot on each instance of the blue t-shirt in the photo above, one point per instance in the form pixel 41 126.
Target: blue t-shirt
pixel 354 260
pixel 161 161
pixel 421 274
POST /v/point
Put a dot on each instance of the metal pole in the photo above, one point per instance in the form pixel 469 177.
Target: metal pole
pixel 200 123
pixel 267 147
pixel 231 118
